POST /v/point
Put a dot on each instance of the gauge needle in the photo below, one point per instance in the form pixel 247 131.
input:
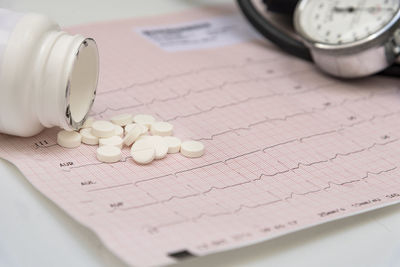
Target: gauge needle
pixel 353 9
pixel 344 9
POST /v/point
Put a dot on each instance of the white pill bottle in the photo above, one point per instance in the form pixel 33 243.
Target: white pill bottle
pixel 47 76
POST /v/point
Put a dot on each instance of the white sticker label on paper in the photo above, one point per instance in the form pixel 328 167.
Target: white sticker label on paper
pixel 200 34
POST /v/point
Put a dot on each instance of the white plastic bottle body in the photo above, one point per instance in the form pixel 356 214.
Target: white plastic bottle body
pixel 47 77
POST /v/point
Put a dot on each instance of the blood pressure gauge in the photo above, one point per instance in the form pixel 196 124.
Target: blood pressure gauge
pixel 350 38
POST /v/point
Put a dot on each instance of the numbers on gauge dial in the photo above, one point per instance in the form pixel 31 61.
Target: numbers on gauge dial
pixel 345 21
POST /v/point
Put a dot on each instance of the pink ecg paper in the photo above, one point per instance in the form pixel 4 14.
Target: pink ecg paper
pixel 286 146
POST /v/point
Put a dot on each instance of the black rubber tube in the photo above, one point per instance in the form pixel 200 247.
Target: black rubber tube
pixel 272 33
pixel 392 71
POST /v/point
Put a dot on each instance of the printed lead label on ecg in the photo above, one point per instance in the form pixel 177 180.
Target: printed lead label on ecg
pixel 286 147
pixel 201 34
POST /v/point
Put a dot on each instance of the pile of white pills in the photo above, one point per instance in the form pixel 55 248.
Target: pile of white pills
pixel 149 139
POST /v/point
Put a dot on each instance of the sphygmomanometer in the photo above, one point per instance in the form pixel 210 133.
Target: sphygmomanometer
pixel 345 38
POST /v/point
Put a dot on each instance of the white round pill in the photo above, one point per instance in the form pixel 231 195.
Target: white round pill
pixel 122 119
pixel 111 141
pixel 133 134
pixel 144 119
pixel 119 131
pixel 174 144
pixel 109 154
pixel 87 137
pixel 161 128
pixel 103 129
pixel 160 145
pixel 69 139
pixel 143 151
pixel 142 137
pixel 130 126
pixel 88 122
pixel 192 149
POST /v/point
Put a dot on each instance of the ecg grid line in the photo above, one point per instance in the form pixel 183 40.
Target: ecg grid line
pixel 286 147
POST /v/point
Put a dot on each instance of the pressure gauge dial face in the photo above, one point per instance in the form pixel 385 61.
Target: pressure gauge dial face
pixel 337 22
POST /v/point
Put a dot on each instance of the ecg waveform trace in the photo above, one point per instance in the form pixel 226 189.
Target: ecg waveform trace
pixel 286 147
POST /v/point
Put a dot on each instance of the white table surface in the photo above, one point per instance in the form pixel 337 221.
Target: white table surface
pixel 35 232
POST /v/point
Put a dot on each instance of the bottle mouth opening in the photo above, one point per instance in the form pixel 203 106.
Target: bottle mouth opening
pixel 82 84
